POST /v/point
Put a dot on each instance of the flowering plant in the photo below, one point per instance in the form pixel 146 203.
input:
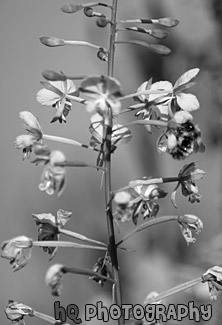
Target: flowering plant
pixel 160 105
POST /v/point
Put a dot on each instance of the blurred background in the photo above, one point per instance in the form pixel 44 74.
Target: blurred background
pixel 162 258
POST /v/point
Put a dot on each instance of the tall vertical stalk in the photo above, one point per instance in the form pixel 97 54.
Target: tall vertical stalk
pixel 107 149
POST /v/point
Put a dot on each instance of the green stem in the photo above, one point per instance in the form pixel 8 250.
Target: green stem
pixel 154 181
pixel 147 224
pixel 77 164
pixel 65 244
pixel 75 235
pixel 82 43
pixel 172 291
pixel 67 141
pixel 45 317
pixel 107 149
pixel 87 272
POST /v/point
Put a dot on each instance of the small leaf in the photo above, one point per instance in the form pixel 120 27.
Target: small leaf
pixel 186 77
pixel 188 102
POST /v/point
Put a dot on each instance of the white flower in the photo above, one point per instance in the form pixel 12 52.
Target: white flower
pixel 105 92
pixel 54 94
pixel 32 126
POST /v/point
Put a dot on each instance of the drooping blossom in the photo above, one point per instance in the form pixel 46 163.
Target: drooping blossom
pixel 33 136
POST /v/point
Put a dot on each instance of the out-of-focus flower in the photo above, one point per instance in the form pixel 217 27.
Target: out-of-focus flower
pixel 15 312
pixel 187 177
pixel 18 251
pixel 103 266
pixel 54 94
pixel 53 278
pixel 214 278
pixel 188 223
pixel 138 199
pixel 34 133
pixel 53 176
pixel 120 134
pixel 104 92
pixel 182 137
pixel 48 227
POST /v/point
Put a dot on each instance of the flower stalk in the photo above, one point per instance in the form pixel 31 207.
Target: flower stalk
pixel 107 175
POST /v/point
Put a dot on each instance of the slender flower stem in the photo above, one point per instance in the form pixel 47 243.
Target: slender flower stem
pixel 147 224
pixel 87 272
pixel 154 181
pixel 77 99
pixel 68 141
pixel 65 244
pixel 45 317
pixel 172 291
pixel 82 43
pixel 144 122
pixel 80 237
pixel 78 164
pixel 107 149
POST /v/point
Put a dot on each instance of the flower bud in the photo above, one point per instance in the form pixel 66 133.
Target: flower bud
pixel 102 22
pixel 102 54
pixel 51 41
pixel 88 11
pixel 159 33
pixel 168 22
pixel 71 8
pixel 53 76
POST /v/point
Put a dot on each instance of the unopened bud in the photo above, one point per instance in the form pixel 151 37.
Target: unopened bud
pixel 88 11
pixel 52 41
pixel 53 76
pixel 71 8
pixel 159 33
pixel 168 22
pixel 102 22
pixel 102 54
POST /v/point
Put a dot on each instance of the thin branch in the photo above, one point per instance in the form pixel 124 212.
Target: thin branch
pixel 80 236
pixel 147 224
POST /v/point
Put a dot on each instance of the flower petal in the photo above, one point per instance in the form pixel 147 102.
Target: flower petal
pixel 188 102
pixel 186 77
pixel 160 85
pixel 47 97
